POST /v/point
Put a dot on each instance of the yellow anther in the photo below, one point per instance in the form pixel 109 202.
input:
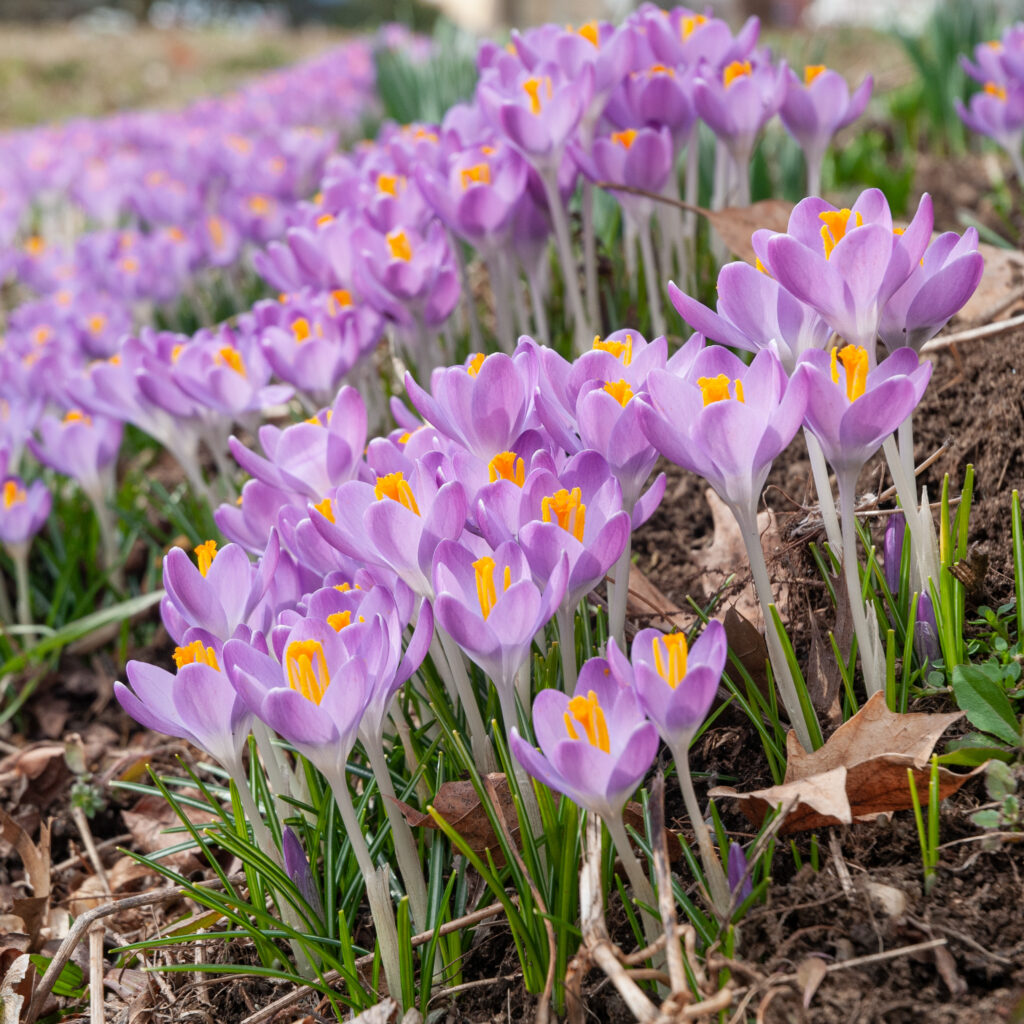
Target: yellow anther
pixel 324 219
pixel 14 493
pixel 232 359
pixel 478 174
pixel 995 89
pixel 339 620
pixel 77 416
pixel 35 246
pixel 590 33
pixel 567 510
pixel 587 713
pixel 624 138
pixel 690 25
pixel 737 69
pixel 474 362
pixel 388 183
pixel 507 466
pixel 41 335
pixel 195 653
pixel 300 328
pixel 399 246
pixel 672 670
pixel 341 297
pixel 620 391
pixel 835 225
pixel 661 69
pixel 485 590
pixel 532 87
pixel 205 554
pixel 325 509
pixel 259 204
pixel 396 487
pixel 97 322
pixel 620 349
pixel 855 364
pixel 215 226
pixel 307 669
pixel 716 389
pixel 811 72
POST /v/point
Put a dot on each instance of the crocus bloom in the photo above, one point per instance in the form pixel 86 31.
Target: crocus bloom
pixel 754 312
pixel 937 288
pixel 224 591
pixel 846 264
pixel 492 608
pixel 23 510
pixel 674 684
pixel 892 549
pixel 851 408
pixel 79 446
pixel 998 112
pixel 724 420
pixel 740 883
pixel 595 747
pixel 296 863
pixel 196 703
pixel 815 108
pixel 926 630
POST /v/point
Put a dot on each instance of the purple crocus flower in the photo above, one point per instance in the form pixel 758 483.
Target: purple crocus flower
pixel 595 747
pixel 196 703
pixel 483 404
pixel 224 591
pixel 817 107
pixel 492 608
pixel 675 684
pixel 23 510
pixel 892 549
pixel 754 312
pixel 998 112
pixel 851 408
pixel 740 883
pixel 641 158
pixel 79 446
pixel 936 289
pixel 846 264
pixel 296 864
pixel 724 420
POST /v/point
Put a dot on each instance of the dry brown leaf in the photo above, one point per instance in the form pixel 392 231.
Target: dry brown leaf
pixel 94 892
pixel 41 772
pixel 149 821
pixel 747 643
pixel 16 988
pixel 459 804
pixel 1002 279
pixel 823 677
pixel 727 555
pixel 36 860
pixel 859 774
pixel 646 600
pixel 735 224
pixel 810 973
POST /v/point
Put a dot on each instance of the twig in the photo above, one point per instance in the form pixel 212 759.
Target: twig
pixel 90 917
pixel 666 901
pixel 96 994
pixel 82 823
pixel 874 958
pixel 468 985
pixel 974 334
pixel 271 1010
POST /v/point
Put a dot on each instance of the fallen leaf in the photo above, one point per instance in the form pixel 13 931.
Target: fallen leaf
pixel 727 555
pixel 41 772
pixel 810 973
pixel 859 774
pixel 149 821
pixel 645 601
pixel 94 892
pixel 16 988
pixel 823 677
pixel 747 643
pixel 36 860
pixel 459 804
pixel 1002 279
pixel 735 224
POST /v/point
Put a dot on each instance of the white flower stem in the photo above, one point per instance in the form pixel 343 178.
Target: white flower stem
pixel 377 891
pixel 651 278
pixel 618 594
pixel 405 844
pixel 867 637
pixel 643 891
pixel 19 556
pixel 718 885
pixel 590 254
pixel 483 752
pixel 566 619
pixel 747 521
pixel 563 242
pixel 540 315
pixel 826 499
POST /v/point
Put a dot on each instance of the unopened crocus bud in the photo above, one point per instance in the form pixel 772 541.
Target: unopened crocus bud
pixel 895 531
pixel 297 866
pixel 926 631
pixel 740 884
